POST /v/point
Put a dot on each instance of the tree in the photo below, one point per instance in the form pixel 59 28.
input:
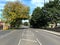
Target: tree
pixel 14 12
pixel 26 23
pixel 53 8
pixel 38 18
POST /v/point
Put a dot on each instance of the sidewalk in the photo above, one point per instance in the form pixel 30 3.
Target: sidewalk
pixel 56 33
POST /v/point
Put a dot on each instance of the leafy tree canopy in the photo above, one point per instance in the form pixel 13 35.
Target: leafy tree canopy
pixel 53 8
pixel 15 10
pixel 38 18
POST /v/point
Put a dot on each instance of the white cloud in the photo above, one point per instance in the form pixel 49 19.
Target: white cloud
pixel 0 12
pixel 39 3
pixel 2 6
pixel 13 0
pixel 9 0
pixel 46 0
pixel 36 2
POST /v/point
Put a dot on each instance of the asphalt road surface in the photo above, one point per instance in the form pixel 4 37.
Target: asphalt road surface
pixel 28 37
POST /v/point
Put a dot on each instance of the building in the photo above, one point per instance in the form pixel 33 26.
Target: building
pixel 1 24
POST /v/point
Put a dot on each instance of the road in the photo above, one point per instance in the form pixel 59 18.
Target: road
pixel 28 37
pixel 4 32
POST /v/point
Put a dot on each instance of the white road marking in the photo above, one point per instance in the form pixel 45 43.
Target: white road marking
pixel 28 31
pixel 20 39
pixel 39 42
pixel 37 39
pixel 7 34
pixel 32 33
pixel 19 42
pixel 29 40
pixel 22 34
pixel 28 35
pixel 36 31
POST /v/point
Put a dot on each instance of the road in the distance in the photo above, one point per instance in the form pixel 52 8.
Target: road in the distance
pixel 29 37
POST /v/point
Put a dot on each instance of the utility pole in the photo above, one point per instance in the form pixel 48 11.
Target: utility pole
pixel 44 2
pixel 44 8
pixel 49 0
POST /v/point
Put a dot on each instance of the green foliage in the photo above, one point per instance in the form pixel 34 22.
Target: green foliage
pixel 50 13
pixel 53 8
pixel 38 18
pixel 14 12
pixel 16 23
pixel 26 23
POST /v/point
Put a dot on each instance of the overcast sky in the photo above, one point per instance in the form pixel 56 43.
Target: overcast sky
pixel 31 3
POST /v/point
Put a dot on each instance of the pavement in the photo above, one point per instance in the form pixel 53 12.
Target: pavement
pixel 55 33
pixel 28 37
